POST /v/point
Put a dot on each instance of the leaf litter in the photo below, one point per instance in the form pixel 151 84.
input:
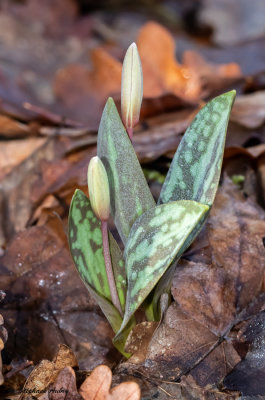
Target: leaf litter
pixel 209 344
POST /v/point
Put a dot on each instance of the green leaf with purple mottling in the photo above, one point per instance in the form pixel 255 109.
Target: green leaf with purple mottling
pixel 154 242
pixel 130 195
pixel 85 242
pixel 195 170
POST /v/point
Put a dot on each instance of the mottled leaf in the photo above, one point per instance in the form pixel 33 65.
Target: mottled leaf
pixel 154 242
pixel 195 170
pixel 165 283
pixel 85 240
pixel 129 192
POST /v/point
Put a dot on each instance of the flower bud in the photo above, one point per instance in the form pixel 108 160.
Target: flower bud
pixel 98 187
pixel 131 87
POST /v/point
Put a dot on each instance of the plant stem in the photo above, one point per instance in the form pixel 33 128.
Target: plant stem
pixel 111 280
pixel 130 132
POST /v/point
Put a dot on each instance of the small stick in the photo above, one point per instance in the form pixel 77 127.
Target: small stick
pixel 109 270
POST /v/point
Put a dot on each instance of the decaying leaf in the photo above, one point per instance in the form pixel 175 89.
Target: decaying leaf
pixel 233 24
pixel 10 128
pixel 249 109
pixel 63 388
pixel 46 372
pixel 58 306
pixel 97 387
pixel 249 374
pixel 178 344
pixel 138 340
pixel 76 86
pixel 226 274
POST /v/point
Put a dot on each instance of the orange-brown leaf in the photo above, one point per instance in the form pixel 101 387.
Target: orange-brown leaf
pixel 97 387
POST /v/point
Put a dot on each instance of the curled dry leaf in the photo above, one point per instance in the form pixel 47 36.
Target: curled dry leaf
pixel 46 372
pixel 97 387
pixel 64 387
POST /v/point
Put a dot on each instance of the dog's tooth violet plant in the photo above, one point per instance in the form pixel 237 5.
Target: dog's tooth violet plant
pixel 154 235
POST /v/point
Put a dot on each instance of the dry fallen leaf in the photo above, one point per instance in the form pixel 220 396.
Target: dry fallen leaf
pixel 97 387
pixel 14 152
pixel 249 110
pixel 138 340
pixel 216 282
pixel 162 73
pixel 46 372
pixel 249 374
pixel 177 344
pixel 10 128
pixel 83 95
pixel 63 388
pixel 77 87
pixel 57 305
pixel 233 23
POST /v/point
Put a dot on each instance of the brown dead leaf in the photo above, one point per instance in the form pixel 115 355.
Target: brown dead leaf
pixel 64 387
pixel 46 372
pixel 14 152
pixel 249 374
pixel 82 93
pixel 65 358
pixel 45 171
pixel 39 379
pixel 138 340
pixel 233 23
pixel 86 90
pixel 191 80
pixel 214 368
pixel 249 110
pixel 177 344
pixel 97 387
pixel 10 128
pixel 217 282
pixel 46 295
pixel 213 78
pixel 162 73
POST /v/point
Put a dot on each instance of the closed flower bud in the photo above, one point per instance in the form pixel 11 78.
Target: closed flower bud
pixel 98 187
pixel 131 87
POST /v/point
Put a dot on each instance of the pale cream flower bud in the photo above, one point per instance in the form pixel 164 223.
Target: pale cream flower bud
pixel 131 87
pixel 98 187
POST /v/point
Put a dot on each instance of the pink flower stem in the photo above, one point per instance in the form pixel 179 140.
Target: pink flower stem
pixel 130 132
pixel 111 280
